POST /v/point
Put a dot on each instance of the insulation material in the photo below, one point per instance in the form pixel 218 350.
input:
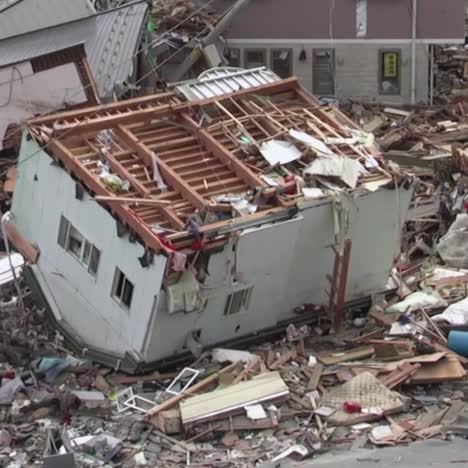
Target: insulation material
pixel 453 246
pixel 183 296
pixel 348 170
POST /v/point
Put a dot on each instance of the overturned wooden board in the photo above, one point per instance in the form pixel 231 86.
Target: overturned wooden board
pixel 329 359
pixel 423 360
pixel 447 369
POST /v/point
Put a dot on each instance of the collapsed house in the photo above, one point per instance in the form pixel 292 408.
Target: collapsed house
pixel 201 215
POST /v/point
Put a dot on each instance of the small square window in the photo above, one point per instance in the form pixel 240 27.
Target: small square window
pixel 238 301
pixel 255 58
pixel 63 232
pixel 122 289
pixel 281 62
pixel 389 72
pixel 94 260
pixel 76 243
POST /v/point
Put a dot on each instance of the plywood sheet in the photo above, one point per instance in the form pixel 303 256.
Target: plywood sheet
pixel 446 369
pixel 330 359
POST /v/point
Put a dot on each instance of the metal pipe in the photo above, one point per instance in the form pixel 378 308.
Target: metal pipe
pixel 431 78
pixel 413 52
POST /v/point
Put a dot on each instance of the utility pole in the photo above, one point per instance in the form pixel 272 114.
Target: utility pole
pixel 413 51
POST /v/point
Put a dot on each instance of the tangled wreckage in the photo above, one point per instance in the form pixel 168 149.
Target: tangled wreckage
pixel 178 221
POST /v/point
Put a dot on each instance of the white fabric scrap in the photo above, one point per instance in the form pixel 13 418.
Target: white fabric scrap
pixel 255 412
pixel 347 169
pixel 455 314
pixel 318 146
pixel 416 301
pixel 156 175
pixel 279 152
pixel 381 432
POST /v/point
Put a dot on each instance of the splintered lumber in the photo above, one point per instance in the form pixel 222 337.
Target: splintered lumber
pixel 24 247
pixel 190 391
pixel 400 375
pixel 392 350
pixel 283 359
pixel 353 355
pixel 247 369
pixel 314 375
pixel 133 201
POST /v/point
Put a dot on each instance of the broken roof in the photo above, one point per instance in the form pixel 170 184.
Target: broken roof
pixel 111 40
pixel 202 167
pixel 24 16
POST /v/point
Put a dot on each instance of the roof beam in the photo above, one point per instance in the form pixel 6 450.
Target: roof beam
pixel 172 178
pixel 123 212
pixel 223 154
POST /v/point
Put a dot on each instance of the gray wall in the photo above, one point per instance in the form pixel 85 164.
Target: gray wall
pixel 318 19
pixel 84 301
pixel 287 263
pixel 357 67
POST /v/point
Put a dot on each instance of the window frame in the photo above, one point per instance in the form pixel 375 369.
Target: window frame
pixel 255 49
pixel 244 303
pixel 289 60
pixel 382 52
pixel 118 284
pixel 64 237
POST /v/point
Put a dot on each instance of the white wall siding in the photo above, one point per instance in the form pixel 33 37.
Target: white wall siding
pixel 287 263
pixel 44 192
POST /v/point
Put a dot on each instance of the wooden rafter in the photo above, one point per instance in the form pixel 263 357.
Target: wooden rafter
pixel 223 154
pixel 172 178
pixel 94 184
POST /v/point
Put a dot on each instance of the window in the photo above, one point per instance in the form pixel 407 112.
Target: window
pixel 122 289
pixel 389 71
pixel 233 57
pixel 255 58
pixel 324 72
pixel 237 301
pixel 70 239
pixel 281 62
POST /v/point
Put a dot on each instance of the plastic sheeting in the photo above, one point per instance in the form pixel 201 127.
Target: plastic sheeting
pixel 453 247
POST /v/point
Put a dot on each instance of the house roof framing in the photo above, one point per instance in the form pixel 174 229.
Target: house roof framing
pixel 195 146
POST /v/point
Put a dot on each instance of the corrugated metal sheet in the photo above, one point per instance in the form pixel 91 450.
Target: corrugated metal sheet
pixel 111 39
pixel 111 49
pixel 26 16
pixel 219 81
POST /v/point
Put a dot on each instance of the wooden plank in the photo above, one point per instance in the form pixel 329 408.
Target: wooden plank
pixel 283 359
pixel 330 359
pixel 24 247
pixel 133 201
pixel 167 172
pixel 247 369
pixel 190 391
pixel 314 378
pixel 448 369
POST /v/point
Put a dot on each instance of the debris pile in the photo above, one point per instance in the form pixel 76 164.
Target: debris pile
pixel 452 72
pixel 396 375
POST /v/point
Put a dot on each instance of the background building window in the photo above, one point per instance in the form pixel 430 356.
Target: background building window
pixel 233 57
pixel 122 289
pixel 389 71
pixel 70 239
pixel 255 58
pixel 281 62
pixel 237 301
pixel 324 72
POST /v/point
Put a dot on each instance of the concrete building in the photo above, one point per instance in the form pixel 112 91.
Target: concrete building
pixel 159 224
pixel 362 49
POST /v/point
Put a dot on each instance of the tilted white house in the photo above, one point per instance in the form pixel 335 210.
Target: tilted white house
pixel 160 221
